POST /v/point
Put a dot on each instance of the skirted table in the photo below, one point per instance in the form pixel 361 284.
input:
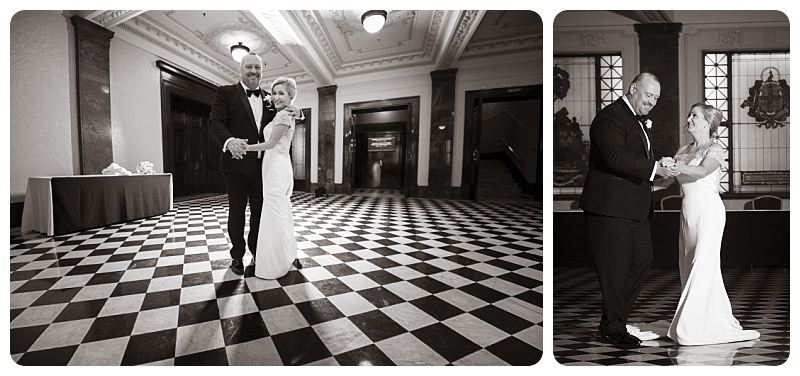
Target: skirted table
pixel 58 205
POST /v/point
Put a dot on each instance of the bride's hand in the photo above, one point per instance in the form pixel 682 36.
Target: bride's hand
pixel 667 161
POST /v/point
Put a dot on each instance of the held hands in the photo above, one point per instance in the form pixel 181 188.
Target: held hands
pixel 667 167
pixel 237 147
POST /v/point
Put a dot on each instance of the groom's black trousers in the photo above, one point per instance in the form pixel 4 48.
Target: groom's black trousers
pixel 623 251
pixel 240 188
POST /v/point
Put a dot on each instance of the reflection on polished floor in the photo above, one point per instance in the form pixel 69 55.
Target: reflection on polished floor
pixel 386 193
pixel 759 297
pixel 377 282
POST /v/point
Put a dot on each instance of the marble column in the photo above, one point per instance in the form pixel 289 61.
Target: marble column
pixel 659 54
pixel 443 95
pixel 92 44
pixel 326 131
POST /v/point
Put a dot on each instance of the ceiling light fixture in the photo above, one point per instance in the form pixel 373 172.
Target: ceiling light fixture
pixel 373 20
pixel 238 51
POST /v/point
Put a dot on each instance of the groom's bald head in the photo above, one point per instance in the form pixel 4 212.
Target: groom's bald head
pixel 643 93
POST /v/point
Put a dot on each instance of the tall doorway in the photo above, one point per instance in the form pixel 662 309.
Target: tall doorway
pixel 381 140
pixel 190 153
pixel 300 152
pixel 193 148
pixel 379 161
pixel 502 145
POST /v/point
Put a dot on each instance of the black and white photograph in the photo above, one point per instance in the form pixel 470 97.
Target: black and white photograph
pixel 671 187
pixel 305 187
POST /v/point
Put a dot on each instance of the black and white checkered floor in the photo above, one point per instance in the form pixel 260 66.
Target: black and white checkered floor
pixel 382 281
pixel 759 297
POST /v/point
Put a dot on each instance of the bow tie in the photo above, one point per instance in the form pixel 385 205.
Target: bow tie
pixel 642 119
pixel 251 92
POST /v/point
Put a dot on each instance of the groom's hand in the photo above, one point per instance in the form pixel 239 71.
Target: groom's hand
pixel 668 171
pixel 294 111
pixel 238 147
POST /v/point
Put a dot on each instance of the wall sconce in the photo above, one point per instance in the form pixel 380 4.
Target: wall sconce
pixel 373 20
pixel 238 51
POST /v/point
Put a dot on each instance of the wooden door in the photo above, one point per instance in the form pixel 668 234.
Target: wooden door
pixel 193 148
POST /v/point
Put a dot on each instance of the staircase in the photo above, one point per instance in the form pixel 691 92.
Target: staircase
pixel 495 181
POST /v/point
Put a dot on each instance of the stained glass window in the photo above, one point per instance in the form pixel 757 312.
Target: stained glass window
pixel 583 85
pixel 752 91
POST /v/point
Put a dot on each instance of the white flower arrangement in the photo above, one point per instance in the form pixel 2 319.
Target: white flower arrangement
pixel 648 123
pixel 145 168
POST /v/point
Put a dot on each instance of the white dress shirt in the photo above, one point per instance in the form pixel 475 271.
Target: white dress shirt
pixel 655 168
pixel 257 106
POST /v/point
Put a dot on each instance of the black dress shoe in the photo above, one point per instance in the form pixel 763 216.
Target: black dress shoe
pixel 237 267
pixel 622 340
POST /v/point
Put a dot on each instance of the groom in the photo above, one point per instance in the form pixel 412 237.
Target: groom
pixel 238 116
pixel 618 203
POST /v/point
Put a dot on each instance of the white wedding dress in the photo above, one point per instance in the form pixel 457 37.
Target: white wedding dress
pixel 704 314
pixel 277 247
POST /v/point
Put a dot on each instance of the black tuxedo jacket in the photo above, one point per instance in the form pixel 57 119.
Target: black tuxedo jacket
pixel 618 182
pixel 231 116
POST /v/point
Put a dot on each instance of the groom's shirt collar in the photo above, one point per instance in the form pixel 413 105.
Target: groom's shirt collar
pixel 625 98
pixel 244 86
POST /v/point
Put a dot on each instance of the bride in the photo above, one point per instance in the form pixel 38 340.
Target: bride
pixel 277 247
pixel 704 315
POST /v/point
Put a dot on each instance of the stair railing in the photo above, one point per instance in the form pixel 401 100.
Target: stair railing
pixel 503 145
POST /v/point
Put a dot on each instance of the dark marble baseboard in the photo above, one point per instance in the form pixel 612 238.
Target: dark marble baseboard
pixel 16 214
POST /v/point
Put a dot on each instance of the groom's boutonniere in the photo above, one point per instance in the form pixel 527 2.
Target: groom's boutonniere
pixel 648 123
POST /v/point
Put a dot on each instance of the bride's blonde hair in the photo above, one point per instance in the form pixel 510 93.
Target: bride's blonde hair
pixel 712 115
pixel 288 83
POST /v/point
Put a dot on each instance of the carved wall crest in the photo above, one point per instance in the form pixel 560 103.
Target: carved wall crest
pixel 592 40
pixel 729 38
pixel 768 101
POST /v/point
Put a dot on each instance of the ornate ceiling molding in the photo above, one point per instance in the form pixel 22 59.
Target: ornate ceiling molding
pixel 155 35
pixel 433 35
pixel 505 52
pixel 375 68
pixel 290 36
pixel 498 44
pixel 321 39
pixel 309 40
pixel 111 18
pixel 466 27
pixel 653 16
pixel 346 27
pixel 374 65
